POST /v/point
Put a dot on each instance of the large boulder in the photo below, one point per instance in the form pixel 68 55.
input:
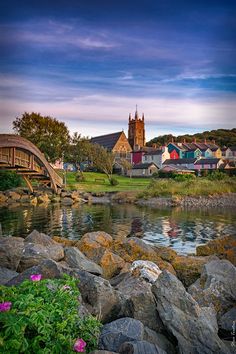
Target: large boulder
pixel 11 249
pixel 159 339
pixel 6 275
pixel 94 244
pixel 227 323
pixel 76 259
pixel 99 296
pixel 115 333
pixel 111 264
pixel 40 238
pixel 140 347
pixel 223 247
pixel 34 253
pixel 146 269
pixel 64 241
pixel 188 268
pixel 14 195
pixel 195 328
pixel 138 301
pixel 216 286
pixel 43 199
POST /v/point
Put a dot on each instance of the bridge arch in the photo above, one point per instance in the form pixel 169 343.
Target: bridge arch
pixel 22 156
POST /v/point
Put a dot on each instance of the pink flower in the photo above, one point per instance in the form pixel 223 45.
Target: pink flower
pixel 66 287
pixel 5 306
pixel 79 345
pixel 36 277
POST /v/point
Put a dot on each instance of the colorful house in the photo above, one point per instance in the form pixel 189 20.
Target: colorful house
pixel 191 151
pixel 208 164
pixel 144 170
pixel 157 156
pixel 175 150
pixel 186 162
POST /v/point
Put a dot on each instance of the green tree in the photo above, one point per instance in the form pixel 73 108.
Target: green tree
pixel 126 166
pixel 78 150
pixel 103 160
pixel 47 133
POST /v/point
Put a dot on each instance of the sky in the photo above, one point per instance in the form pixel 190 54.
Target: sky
pixel 88 63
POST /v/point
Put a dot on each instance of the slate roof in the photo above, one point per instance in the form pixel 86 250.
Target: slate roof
pixel 207 161
pixel 179 161
pixel 108 141
pixel 155 152
pixel 143 166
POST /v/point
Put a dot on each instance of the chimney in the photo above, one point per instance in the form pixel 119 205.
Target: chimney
pixel 172 139
pixel 213 141
pixel 154 146
pixel 194 140
pixel 205 141
pixel 184 141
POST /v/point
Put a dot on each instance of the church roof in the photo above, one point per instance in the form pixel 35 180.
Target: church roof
pixel 108 141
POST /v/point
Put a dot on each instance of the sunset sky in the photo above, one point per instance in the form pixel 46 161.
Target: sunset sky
pixel 89 62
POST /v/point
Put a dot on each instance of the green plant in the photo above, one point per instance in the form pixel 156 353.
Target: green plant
pixel 216 175
pixel 182 178
pixel 114 181
pixel 42 317
pixel 80 177
pixel 9 180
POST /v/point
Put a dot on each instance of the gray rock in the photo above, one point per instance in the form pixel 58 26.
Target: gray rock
pixel 39 238
pixel 193 327
pixel 33 254
pixel 100 298
pixel 146 269
pixel 6 275
pixel 140 347
pixel 226 321
pixel 115 333
pixel 138 302
pixel 67 201
pixel 102 352
pixel 216 286
pixel 159 339
pixel 76 259
pixel 11 249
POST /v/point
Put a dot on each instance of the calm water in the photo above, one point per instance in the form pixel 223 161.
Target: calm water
pixel 179 229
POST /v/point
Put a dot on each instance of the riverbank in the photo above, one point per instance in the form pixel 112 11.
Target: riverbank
pixel 134 288
pixel 19 196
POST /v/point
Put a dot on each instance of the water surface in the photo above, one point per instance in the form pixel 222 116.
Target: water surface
pixel 180 229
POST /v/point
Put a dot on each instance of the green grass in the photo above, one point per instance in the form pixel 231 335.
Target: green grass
pixel 91 185
pixel 195 187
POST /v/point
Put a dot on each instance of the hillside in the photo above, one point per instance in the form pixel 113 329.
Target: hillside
pixel 222 137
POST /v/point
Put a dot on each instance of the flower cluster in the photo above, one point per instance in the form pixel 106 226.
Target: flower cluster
pixel 5 306
pixel 80 345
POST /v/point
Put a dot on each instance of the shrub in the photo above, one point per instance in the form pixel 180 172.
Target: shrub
pixel 182 178
pixel 216 175
pixel 80 177
pixel 114 181
pixel 9 179
pixel 42 317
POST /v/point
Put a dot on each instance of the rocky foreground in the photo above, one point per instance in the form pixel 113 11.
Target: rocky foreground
pixel 150 299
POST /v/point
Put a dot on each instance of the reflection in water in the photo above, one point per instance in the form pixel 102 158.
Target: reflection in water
pixel 177 228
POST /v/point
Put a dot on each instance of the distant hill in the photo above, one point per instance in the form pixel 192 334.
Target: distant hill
pixel 222 137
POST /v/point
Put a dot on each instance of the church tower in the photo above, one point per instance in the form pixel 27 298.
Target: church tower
pixel 136 133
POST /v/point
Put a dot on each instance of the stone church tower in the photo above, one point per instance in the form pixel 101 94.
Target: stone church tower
pixel 136 133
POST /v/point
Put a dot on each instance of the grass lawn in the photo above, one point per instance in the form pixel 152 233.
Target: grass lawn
pixel 98 182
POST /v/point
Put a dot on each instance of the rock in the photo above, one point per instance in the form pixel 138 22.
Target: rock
pixel 48 268
pixel 115 333
pixel 193 327
pixel 11 249
pixel 111 264
pixel 14 195
pixel 67 201
pixel 100 298
pixel 43 199
pixel 223 247
pixel 102 352
pixel 140 347
pixel 146 269
pixel 34 253
pixel 76 259
pixel 138 301
pixel 166 253
pixel 64 241
pixel 216 286
pixel 134 249
pixel 33 201
pixel 188 268
pixel 6 275
pixel 94 244
pixel 227 322
pixel 3 198
pixel 40 238
pixel 159 339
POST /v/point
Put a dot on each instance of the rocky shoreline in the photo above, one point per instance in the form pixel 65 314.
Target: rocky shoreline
pixel 149 299
pixel 17 197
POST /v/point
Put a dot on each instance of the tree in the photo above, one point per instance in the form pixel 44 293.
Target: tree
pixel 126 166
pixel 47 133
pixel 78 150
pixel 103 160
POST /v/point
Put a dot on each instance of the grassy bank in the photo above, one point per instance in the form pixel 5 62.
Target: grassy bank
pixel 195 187
pixel 98 182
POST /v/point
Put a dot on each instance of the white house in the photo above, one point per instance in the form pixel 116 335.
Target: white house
pixel 156 156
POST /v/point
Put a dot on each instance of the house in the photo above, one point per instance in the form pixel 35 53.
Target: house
pixel 175 150
pixel 157 156
pixel 205 150
pixel 233 153
pixel 208 164
pixel 191 150
pixel 137 155
pixel 116 143
pixel 188 163
pixel 175 169
pixel 144 169
pixel 226 152
pixel 216 151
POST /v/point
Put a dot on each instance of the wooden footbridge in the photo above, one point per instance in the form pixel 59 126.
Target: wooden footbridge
pixel 20 155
